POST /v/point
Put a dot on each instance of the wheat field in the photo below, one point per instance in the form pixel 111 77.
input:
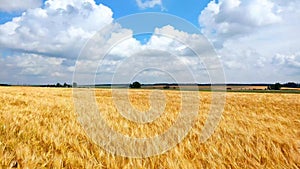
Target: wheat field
pixel 39 129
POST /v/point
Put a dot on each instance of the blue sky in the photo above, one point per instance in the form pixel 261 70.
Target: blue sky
pixel 180 8
pixel 255 41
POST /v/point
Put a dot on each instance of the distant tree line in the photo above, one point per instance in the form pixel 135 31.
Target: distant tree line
pixel 5 85
pixel 58 85
pixel 277 86
pixel 291 85
pixel 136 84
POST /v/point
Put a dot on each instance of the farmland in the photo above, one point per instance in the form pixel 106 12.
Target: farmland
pixel 39 128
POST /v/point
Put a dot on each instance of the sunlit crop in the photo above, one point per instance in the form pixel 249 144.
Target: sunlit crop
pixel 39 128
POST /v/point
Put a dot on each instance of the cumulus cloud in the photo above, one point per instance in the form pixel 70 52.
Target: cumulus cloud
pixel 148 3
pixel 25 68
pixel 60 29
pixel 252 37
pixel 231 18
pixel 292 60
pixel 18 5
pixel 45 42
pixel 256 41
pixel 37 60
pixel 167 49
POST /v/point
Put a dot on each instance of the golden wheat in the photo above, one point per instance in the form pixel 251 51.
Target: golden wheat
pixel 39 129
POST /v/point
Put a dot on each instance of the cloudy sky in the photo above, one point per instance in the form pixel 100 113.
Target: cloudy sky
pixel 43 42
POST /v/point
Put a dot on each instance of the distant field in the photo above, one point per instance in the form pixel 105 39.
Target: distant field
pixel 288 88
pixel 230 88
pixel 38 128
pixel 209 87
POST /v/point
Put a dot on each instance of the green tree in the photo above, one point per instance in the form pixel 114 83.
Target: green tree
pixel 276 86
pixel 135 85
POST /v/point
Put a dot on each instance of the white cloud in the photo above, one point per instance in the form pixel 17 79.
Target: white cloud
pixel 148 3
pixel 59 29
pixel 25 68
pixel 18 5
pixel 232 18
pixel 166 49
pixel 253 46
pixel 252 36
pixel 292 60
pixel 170 52
pixel 44 42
